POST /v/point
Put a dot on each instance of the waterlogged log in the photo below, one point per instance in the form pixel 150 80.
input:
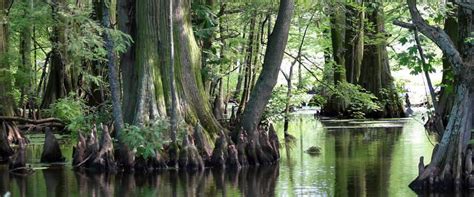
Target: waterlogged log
pixel 51 150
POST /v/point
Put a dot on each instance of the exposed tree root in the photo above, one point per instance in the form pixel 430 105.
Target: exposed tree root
pixel 5 150
pixel 202 144
pixel 17 163
pixel 263 150
pixel 189 157
pixel 99 155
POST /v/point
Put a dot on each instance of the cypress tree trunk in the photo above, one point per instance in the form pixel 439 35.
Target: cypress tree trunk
pixel 60 80
pixel 375 72
pixel 452 152
pixel 61 76
pixel 248 67
pixel 6 99
pixel 25 84
pixel 238 87
pixel 336 105
pixel 219 107
pixel 338 32
pixel 113 78
pixel 446 95
pixel 266 82
pixel 187 67
pixel 354 42
pixel 126 24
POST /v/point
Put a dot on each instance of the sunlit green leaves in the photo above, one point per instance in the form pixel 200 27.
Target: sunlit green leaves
pixel 146 140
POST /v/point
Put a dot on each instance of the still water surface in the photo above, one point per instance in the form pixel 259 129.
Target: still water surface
pixel 358 158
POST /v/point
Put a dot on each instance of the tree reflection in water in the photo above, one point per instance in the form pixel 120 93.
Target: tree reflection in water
pixel 257 181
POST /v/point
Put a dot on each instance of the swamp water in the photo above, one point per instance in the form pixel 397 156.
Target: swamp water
pixel 358 158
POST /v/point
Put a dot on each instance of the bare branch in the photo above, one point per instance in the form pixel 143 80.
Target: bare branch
pixel 404 25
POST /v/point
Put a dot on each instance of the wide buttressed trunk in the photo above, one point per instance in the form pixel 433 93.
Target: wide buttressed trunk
pixel 188 71
pixel 146 64
pixel 375 75
pixel 6 98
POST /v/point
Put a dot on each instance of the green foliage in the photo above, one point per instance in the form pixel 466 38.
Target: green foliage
pixel 360 102
pixel 67 109
pixel 410 57
pixel 148 139
pixel 470 39
pixel 317 100
pixel 275 109
pixel 78 117
pixel 145 140
pixel 204 20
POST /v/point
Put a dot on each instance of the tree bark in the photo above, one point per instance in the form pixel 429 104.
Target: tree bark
pixel 375 74
pixel 187 65
pixel 336 105
pixel 449 152
pixel 174 103
pixel 127 24
pixel 60 80
pixel 268 77
pixel 248 67
pixel 354 41
pixel 7 107
pixel 113 78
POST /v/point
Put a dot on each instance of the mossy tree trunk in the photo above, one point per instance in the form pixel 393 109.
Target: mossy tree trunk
pixel 354 40
pixel 6 98
pixel 375 75
pixel 188 72
pixel 336 105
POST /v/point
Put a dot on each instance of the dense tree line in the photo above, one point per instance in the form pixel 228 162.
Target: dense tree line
pixel 147 84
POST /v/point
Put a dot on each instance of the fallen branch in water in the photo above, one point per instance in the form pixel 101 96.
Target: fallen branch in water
pixel 30 121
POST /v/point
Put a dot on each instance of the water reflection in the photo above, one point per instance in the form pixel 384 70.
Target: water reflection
pixel 260 181
pixel 357 159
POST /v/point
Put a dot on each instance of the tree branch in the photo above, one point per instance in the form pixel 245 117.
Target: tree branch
pixel 438 36
pixel 26 120
pixel 404 25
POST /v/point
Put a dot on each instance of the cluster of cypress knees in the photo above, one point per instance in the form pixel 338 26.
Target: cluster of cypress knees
pixel 444 179
pixel 97 153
